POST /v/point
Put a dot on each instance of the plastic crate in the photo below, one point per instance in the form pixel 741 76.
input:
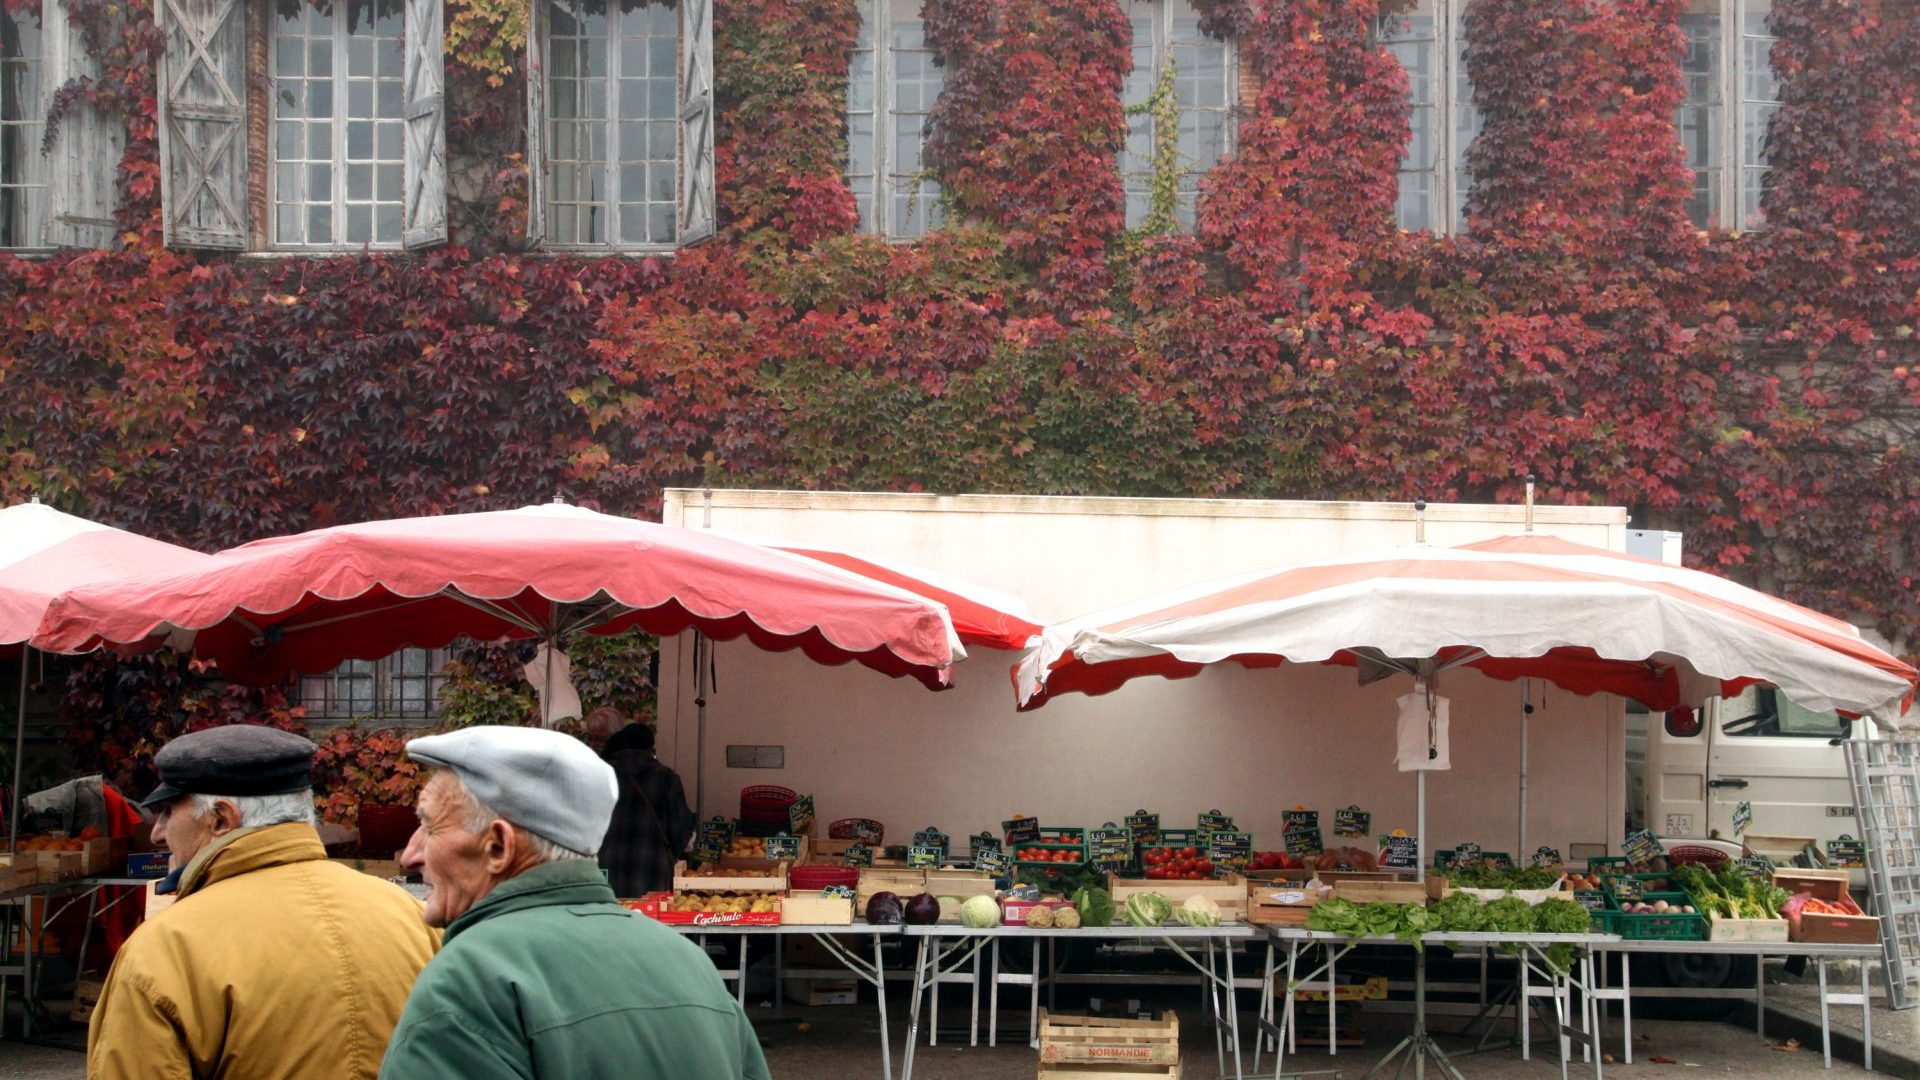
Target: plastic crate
pixel 1666 927
pixel 1599 905
pixel 1054 838
pixel 1607 864
pixel 1649 883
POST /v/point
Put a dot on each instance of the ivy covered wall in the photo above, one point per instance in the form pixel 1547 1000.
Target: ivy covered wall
pixel 1759 392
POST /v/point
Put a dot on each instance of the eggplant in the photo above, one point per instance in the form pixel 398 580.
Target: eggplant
pixel 923 910
pixel 883 909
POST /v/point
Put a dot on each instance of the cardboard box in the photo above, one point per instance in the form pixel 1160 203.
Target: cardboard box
pixel 1747 929
pixel 819 992
pixel 158 902
pixel 655 906
pixel 1831 886
pixel 812 909
pixel 86 994
pixel 147 864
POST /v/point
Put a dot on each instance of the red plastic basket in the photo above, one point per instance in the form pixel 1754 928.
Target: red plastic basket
pixel 766 803
pixel 1696 854
pixel 809 878
pixel 843 830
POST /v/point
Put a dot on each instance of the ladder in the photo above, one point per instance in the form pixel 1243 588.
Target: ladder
pixel 1886 799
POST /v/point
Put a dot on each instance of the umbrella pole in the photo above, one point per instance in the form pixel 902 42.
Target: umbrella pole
pixel 700 646
pixel 1526 715
pixel 19 756
pixel 1420 824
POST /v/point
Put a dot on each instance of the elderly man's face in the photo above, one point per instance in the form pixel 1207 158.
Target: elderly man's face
pixel 183 832
pixel 450 858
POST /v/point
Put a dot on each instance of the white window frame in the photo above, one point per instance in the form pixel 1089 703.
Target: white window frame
pixel 926 212
pixel 1729 168
pixel 1187 203
pixel 1451 180
pixel 30 132
pixel 383 674
pixel 338 162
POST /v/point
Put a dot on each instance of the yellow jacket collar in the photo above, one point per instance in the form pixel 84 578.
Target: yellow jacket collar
pixel 243 851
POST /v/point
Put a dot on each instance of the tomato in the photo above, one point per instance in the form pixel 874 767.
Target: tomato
pixel 1189 853
pixel 1205 868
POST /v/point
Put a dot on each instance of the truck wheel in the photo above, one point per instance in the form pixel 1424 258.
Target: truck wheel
pixel 1690 971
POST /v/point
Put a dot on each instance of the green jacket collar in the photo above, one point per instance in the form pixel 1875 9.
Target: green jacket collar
pixel 574 881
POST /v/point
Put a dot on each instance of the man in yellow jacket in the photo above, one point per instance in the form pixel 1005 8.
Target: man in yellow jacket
pixel 273 964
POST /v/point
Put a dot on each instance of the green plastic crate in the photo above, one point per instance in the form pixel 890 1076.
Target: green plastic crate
pixel 1667 927
pixel 1607 864
pixel 1649 883
pixel 1599 905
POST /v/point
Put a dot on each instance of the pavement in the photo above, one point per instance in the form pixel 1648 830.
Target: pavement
pixel 1793 1009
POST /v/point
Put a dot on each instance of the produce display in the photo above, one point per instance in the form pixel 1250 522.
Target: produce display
pixel 883 909
pixel 732 872
pixel 922 910
pixel 1587 882
pixel 1040 854
pixel 1345 858
pixel 747 847
pixel 1274 860
pixel 980 912
pixel 1176 864
pixel 721 903
pixel 1197 911
pixel 1095 906
pixel 1728 893
pixel 1458 913
pixel 1658 907
pixel 1066 918
pixel 1146 909
pixel 1040 917
pixel 1487 876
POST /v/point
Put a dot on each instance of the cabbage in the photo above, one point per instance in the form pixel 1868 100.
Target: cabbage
pixel 1095 906
pixel 1146 909
pixel 979 912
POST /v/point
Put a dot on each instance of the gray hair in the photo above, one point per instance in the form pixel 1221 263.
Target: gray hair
pixel 257 811
pixel 478 815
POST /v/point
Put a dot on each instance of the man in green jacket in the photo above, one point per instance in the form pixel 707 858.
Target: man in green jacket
pixel 541 973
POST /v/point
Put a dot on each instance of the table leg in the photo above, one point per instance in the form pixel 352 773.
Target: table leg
pixel 1560 1008
pixel 933 1000
pixel 1033 1001
pixel 742 982
pixel 1826 1034
pixel 1866 1016
pixel 913 1007
pixel 1593 1011
pixel 1052 983
pixel 1523 1012
pixel 1212 1003
pixel 1760 995
pixel 1333 984
pixel 973 1028
pixel 993 998
pixel 880 992
pixel 1233 1015
pixel 1626 1007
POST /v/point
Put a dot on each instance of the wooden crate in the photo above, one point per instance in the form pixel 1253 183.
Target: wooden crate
pixel 1746 929
pixel 1107 1041
pixel 1264 905
pixel 812 909
pixel 103 855
pixel 1230 892
pixel 898 880
pixel 767 877
pixel 1393 892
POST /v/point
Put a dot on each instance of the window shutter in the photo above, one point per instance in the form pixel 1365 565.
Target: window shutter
pixel 536 124
pixel 85 158
pixel 426 127
pixel 203 119
pixel 696 120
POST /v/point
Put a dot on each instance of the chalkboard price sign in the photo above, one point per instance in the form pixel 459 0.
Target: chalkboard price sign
pixel 845 891
pixel 931 835
pixel 1591 899
pixel 711 842
pixel 1110 845
pixel 1230 850
pixel 1742 817
pixel 1399 852
pixel 859 854
pixel 1544 856
pixel 868 831
pixel 1846 852
pixel 993 861
pixel 783 846
pixel 1214 821
pixel 1466 855
pixel 1352 823
pixel 1642 846
pixel 1022 830
pixel 925 856
pixel 1145 828
pixel 979 842
pixel 800 816
pixel 1757 867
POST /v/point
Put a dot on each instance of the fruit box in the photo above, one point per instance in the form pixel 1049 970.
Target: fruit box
pixel 655 906
pixel 1099 1040
pixel 900 881
pixel 1282 902
pixel 1230 892
pixel 1831 886
pixel 813 909
pixel 1362 891
pixel 1719 929
pixel 102 855
pixel 147 864
pixel 761 876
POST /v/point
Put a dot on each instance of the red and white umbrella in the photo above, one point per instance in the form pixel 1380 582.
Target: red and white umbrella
pixel 981 615
pixel 307 602
pixel 44 552
pixel 1585 619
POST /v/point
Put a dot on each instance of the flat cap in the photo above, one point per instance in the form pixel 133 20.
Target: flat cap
pixel 239 759
pixel 546 782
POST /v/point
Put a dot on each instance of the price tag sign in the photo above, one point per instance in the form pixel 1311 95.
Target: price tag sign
pixel 1846 852
pixel 993 861
pixel 1110 845
pixel 800 816
pixel 1297 842
pixel 1466 855
pixel 1022 830
pixel 1230 851
pixel 783 846
pixel 1642 846
pixel 868 831
pixel 931 835
pixel 1757 867
pixel 1591 899
pixel 1145 828
pixel 713 838
pixel 1544 856
pixel 845 891
pixel 925 856
pixel 979 842
pixel 1625 887
pixel 859 854
pixel 1214 821
pixel 1742 817
pixel 1352 823
pixel 1399 852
